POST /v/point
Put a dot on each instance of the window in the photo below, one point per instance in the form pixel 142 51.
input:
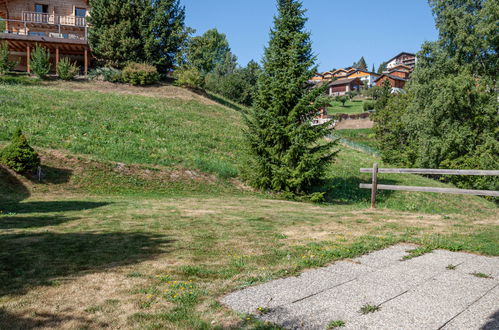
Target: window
pixel 35 33
pixel 80 12
pixel 42 9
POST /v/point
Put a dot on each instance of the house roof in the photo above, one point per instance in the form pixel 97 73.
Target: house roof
pixel 343 81
pixel 391 77
pixel 402 53
pixel 357 70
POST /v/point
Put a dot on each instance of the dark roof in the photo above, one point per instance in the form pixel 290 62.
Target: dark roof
pixel 390 76
pixel 343 81
pixel 399 55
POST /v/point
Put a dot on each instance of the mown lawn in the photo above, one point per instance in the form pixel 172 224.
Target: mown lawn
pixel 351 107
pixel 127 230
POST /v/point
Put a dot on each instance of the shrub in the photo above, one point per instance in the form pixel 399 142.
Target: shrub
pixel 341 99
pixel 40 62
pixel 19 155
pixel 369 105
pixel 140 74
pixel 5 64
pixel 189 77
pixel 106 74
pixel 67 70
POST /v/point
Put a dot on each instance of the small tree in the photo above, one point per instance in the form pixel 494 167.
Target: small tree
pixel 5 64
pixel 19 155
pixel 40 62
pixel 384 95
pixel 189 77
pixel 67 70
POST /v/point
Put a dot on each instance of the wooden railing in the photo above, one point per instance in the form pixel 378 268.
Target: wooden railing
pixel 32 17
pixel 374 186
pixel 22 28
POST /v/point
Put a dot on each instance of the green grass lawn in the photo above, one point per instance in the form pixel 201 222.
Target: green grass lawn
pixel 125 128
pixel 363 136
pixel 155 240
pixel 351 107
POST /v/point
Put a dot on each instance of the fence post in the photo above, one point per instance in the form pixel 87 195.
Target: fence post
pixel 374 186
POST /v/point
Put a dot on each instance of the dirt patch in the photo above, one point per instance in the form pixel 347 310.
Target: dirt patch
pixel 160 90
pixel 354 124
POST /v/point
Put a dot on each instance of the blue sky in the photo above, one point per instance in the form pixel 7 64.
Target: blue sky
pixel 342 30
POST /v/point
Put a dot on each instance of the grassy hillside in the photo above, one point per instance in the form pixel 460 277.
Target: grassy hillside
pixel 126 128
pixel 135 223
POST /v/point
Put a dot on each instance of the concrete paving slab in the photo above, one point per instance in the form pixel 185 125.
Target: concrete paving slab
pixel 386 257
pixel 418 293
pixel 486 265
pixel 483 315
pixel 440 299
pixel 284 291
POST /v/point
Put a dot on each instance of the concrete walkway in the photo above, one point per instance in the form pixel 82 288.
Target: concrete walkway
pixel 419 293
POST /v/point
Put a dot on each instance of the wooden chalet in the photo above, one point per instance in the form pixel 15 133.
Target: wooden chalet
pixel 343 86
pixel 59 26
pixel 396 82
pixel 367 77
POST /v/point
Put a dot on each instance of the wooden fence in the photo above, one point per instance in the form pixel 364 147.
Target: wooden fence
pixel 374 186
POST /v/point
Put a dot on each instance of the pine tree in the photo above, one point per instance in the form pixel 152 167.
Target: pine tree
pixel 288 153
pixel 361 64
pixel 151 31
pixel 166 33
pixel 373 70
pixel 116 31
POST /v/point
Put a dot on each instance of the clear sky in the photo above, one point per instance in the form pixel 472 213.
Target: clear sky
pixel 342 30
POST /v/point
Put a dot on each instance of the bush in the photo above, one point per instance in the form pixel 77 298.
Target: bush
pixel 5 64
pixel 341 99
pixel 140 74
pixel 189 77
pixel 19 155
pixel 106 74
pixel 369 105
pixel 66 69
pixel 40 62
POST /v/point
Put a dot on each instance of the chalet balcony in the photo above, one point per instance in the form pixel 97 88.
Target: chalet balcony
pixel 41 28
pixel 44 18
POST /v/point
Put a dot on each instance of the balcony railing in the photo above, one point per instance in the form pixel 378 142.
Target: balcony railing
pixel 32 17
pixel 59 31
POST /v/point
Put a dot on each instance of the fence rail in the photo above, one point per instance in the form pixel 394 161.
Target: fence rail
pixel 374 186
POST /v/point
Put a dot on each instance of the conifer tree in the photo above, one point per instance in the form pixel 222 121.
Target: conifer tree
pixel 288 153
pixel 361 64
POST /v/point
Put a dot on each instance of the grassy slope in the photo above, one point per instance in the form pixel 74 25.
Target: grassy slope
pixel 363 136
pixel 154 246
pixel 126 128
pixel 350 107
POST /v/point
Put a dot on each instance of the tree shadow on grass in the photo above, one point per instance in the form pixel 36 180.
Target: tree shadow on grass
pixel 46 207
pixel 11 189
pixel 7 222
pixel 346 190
pixel 30 260
pixel 43 320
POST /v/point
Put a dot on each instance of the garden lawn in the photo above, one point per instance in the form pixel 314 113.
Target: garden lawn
pixel 351 107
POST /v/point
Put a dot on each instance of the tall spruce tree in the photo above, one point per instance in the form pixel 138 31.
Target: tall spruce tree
pixel 115 34
pixel 151 31
pixel 361 64
pixel 288 153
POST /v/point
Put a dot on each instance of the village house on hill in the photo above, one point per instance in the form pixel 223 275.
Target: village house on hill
pixel 59 26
